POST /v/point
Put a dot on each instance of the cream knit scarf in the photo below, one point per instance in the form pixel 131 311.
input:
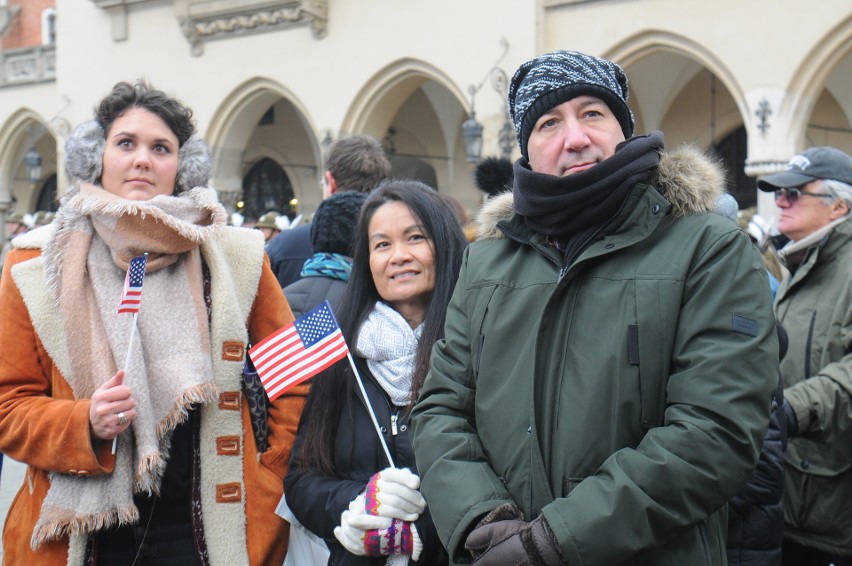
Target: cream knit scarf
pixel 389 345
pixel 170 365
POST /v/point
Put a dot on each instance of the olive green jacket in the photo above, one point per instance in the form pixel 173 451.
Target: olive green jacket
pixel 625 396
pixel 815 307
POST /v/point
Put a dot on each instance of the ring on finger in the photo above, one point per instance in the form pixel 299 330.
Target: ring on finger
pixel 122 418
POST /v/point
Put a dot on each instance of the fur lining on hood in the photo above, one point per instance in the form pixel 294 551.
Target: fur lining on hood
pixel 686 177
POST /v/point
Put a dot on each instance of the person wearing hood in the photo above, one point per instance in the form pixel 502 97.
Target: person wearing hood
pixel 814 303
pixel 610 351
pixel 137 431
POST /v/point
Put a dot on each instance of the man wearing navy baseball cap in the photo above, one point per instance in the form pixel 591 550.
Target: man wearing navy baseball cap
pixel 814 303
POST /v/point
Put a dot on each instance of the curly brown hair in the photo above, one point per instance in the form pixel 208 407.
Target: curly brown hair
pixel 142 95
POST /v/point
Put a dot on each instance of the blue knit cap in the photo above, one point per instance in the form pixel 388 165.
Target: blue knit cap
pixel 551 79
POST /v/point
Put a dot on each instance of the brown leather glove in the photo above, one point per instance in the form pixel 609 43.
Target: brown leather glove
pixel 503 538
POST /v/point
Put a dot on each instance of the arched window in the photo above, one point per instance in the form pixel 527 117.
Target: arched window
pixel 48 27
pixel 266 187
pixel 732 150
pixel 47 196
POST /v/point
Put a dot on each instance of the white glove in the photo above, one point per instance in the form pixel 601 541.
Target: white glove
pixel 354 524
pixel 418 544
pixel 371 535
pixel 393 492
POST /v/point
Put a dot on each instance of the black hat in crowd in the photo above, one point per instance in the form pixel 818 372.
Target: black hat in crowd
pixel 557 77
pixel 812 164
pixel 333 226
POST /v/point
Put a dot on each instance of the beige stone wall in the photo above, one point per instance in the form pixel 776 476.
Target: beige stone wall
pixel 407 65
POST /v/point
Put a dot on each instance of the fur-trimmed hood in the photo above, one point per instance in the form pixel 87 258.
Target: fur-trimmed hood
pixel 686 177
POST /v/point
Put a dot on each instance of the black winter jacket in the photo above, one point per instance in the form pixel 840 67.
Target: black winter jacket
pixel 317 501
pixel 308 292
pixel 287 253
pixel 756 513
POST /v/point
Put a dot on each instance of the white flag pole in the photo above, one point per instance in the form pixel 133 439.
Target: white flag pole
pixel 127 363
pixel 370 409
pixel 130 344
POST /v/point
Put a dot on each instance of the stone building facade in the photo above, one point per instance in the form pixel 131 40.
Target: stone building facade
pixel 272 81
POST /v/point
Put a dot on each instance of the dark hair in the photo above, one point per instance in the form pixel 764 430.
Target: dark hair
pixel 328 391
pixel 141 95
pixel 357 163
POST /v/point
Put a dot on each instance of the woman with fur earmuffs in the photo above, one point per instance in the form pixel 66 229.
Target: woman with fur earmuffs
pixel 197 469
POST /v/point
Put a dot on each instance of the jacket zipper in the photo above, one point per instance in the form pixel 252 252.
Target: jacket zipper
pixel 570 261
pixel 394 416
pixel 565 265
pixel 808 346
pixel 563 269
pixel 527 243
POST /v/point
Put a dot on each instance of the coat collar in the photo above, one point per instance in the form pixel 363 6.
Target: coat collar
pixel 686 178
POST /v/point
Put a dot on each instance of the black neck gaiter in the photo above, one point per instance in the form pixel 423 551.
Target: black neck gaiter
pixel 563 207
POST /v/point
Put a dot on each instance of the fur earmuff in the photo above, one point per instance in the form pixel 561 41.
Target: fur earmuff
pixel 194 165
pixel 84 156
pixel 84 152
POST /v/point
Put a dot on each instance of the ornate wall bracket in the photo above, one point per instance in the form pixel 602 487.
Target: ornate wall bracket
pixel 763 112
pixel 209 20
pixel 117 10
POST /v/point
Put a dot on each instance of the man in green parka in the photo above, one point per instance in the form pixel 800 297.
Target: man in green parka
pixel 610 353
pixel 814 303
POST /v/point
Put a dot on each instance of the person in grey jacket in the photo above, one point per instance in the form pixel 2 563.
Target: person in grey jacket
pixel 814 303
pixel 610 352
pixel 325 274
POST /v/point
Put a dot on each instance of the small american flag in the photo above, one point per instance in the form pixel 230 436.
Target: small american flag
pixel 299 351
pixel 131 296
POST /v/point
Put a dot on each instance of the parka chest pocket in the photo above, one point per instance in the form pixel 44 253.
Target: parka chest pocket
pixel 649 342
pixel 477 323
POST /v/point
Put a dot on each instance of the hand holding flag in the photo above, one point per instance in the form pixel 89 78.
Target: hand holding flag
pixel 131 298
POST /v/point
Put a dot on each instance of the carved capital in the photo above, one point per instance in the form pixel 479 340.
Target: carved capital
pixel 204 21
pixel 765 167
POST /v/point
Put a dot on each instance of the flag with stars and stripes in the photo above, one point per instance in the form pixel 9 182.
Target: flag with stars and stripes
pixel 298 351
pixel 131 296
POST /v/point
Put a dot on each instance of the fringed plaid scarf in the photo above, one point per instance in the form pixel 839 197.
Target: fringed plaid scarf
pixel 170 366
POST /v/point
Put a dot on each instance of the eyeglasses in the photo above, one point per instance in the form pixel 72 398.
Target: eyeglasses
pixel 792 195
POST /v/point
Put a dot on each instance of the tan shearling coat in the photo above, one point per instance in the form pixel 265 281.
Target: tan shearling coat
pixel 42 424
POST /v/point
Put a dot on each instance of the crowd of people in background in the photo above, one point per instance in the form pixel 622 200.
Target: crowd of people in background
pixel 610 364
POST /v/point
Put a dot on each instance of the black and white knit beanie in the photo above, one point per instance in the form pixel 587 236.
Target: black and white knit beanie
pixel 557 77
pixel 333 225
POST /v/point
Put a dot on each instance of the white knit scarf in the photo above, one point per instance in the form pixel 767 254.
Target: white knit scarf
pixel 170 366
pixel 389 345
